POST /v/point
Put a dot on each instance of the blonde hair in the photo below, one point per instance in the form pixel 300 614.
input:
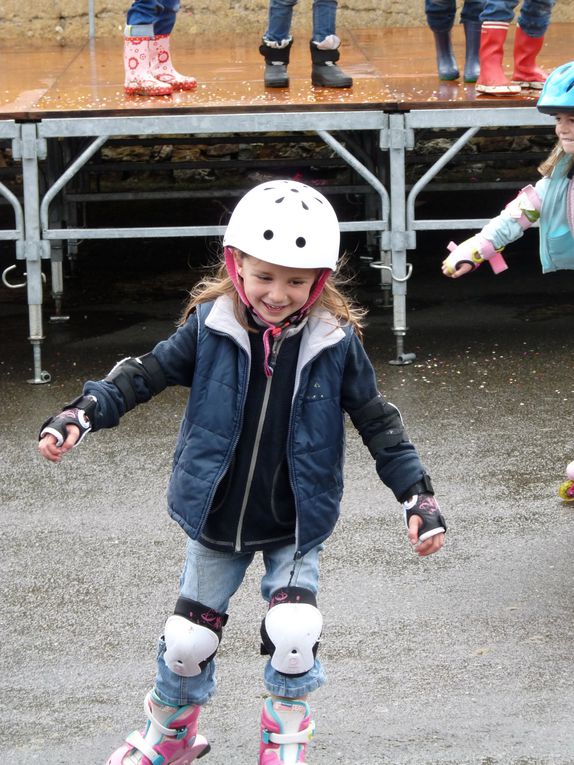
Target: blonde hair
pixel 332 298
pixel 547 166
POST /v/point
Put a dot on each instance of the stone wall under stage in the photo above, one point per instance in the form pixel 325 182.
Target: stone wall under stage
pixel 66 21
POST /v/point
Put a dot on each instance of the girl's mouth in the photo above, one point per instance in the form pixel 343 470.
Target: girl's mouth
pixel 274 308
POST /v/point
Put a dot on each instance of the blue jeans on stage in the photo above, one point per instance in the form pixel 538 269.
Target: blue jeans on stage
pixel 212 578
pixel 441 13
pixel 281 13
pixel 534 17
pixel 147 18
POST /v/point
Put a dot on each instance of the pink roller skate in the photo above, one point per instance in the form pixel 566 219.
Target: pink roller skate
pixel 170 737
pixel 566 489
pixel 286 729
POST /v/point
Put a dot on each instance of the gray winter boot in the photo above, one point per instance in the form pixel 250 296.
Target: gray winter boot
pixel 276 57
pixel 325 73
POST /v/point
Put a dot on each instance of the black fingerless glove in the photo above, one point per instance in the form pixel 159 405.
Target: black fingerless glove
pixel 427 508
pixel 76 413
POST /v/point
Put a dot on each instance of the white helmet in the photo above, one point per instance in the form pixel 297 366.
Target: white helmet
pixel 286 223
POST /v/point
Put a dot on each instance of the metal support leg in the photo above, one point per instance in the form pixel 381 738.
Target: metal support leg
pixel 375 182
pixel 400 269
pixel 57 216
pixel 31 151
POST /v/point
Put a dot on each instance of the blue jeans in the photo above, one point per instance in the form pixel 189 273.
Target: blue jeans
pixel 212 578
pixel 534 17
pixel 151 17
pixel 281 13
pixel 441 13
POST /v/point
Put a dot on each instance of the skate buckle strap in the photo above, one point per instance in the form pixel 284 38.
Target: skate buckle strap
pixel 139 743
pixel 175 733
pixel 300 737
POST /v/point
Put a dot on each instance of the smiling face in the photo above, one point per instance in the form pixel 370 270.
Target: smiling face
pixel 565 131
pixel 275 292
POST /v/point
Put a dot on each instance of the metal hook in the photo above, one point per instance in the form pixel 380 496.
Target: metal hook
pixel 15 286
pixel 383 267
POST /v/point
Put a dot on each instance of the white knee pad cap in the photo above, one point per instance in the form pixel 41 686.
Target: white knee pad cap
pixel 294 629
pixel 188 646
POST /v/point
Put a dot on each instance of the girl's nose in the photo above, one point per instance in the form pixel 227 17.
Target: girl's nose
pixel 276 292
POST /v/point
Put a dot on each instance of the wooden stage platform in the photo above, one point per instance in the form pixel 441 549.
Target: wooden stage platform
pixel 392 69
pixel 60 105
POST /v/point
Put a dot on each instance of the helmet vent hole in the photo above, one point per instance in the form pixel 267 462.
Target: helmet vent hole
pixel 268 234
pixel 304 206
pixel 279 200
pixel 300 241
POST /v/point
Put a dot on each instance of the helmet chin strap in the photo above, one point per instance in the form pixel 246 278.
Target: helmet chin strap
pixel 273 330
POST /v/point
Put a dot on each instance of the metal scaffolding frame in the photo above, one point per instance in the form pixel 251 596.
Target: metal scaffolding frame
pixel 396 226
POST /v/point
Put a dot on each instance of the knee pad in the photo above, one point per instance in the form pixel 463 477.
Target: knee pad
pixel 192 636
pixel 291 630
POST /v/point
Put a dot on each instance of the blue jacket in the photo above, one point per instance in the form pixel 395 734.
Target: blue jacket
pixel 210 354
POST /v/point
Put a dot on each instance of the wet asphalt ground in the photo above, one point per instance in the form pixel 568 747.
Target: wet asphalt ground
pixel 464 658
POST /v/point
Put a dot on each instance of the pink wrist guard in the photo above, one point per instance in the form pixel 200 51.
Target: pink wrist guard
pixel 525 216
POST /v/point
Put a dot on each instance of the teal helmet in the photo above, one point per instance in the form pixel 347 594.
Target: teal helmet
pixel 558 91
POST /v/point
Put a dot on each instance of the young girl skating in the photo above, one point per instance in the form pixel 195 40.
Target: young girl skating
pixel 270 350
pixel 550 201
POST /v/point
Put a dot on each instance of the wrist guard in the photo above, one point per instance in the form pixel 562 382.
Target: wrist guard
pixel 473 252
pixel 428 510
pixel 525 208
pixel 77 413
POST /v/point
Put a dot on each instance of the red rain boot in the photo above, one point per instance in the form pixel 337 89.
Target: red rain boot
pixel 138 79
pixel 162 68
pixel 492 79
pixel 526 73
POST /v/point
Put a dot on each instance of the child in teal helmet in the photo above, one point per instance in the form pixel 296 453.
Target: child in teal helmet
pixel 550 201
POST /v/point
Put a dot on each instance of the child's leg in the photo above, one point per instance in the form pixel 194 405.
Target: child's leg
pixel 324 46
pixel 324 19
pixel 279 21
pixel 290 633
pixel 533 22
pixel 148 64
pixel 498 10
pixel 535 15
pixel 276 43
pixel 440 14
pixel 142 13
pixel 185 678
pixel 170 735
pixel 209 578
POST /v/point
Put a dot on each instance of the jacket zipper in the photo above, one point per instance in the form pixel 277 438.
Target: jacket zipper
pixel 255 453
pixel 233 445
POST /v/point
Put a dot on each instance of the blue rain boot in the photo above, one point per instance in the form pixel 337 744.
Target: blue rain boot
pixel 472 59
pixel 445 60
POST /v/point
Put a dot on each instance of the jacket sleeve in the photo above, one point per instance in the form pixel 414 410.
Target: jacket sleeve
pixel 379 424
pixel 518 216
pixel 134 381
